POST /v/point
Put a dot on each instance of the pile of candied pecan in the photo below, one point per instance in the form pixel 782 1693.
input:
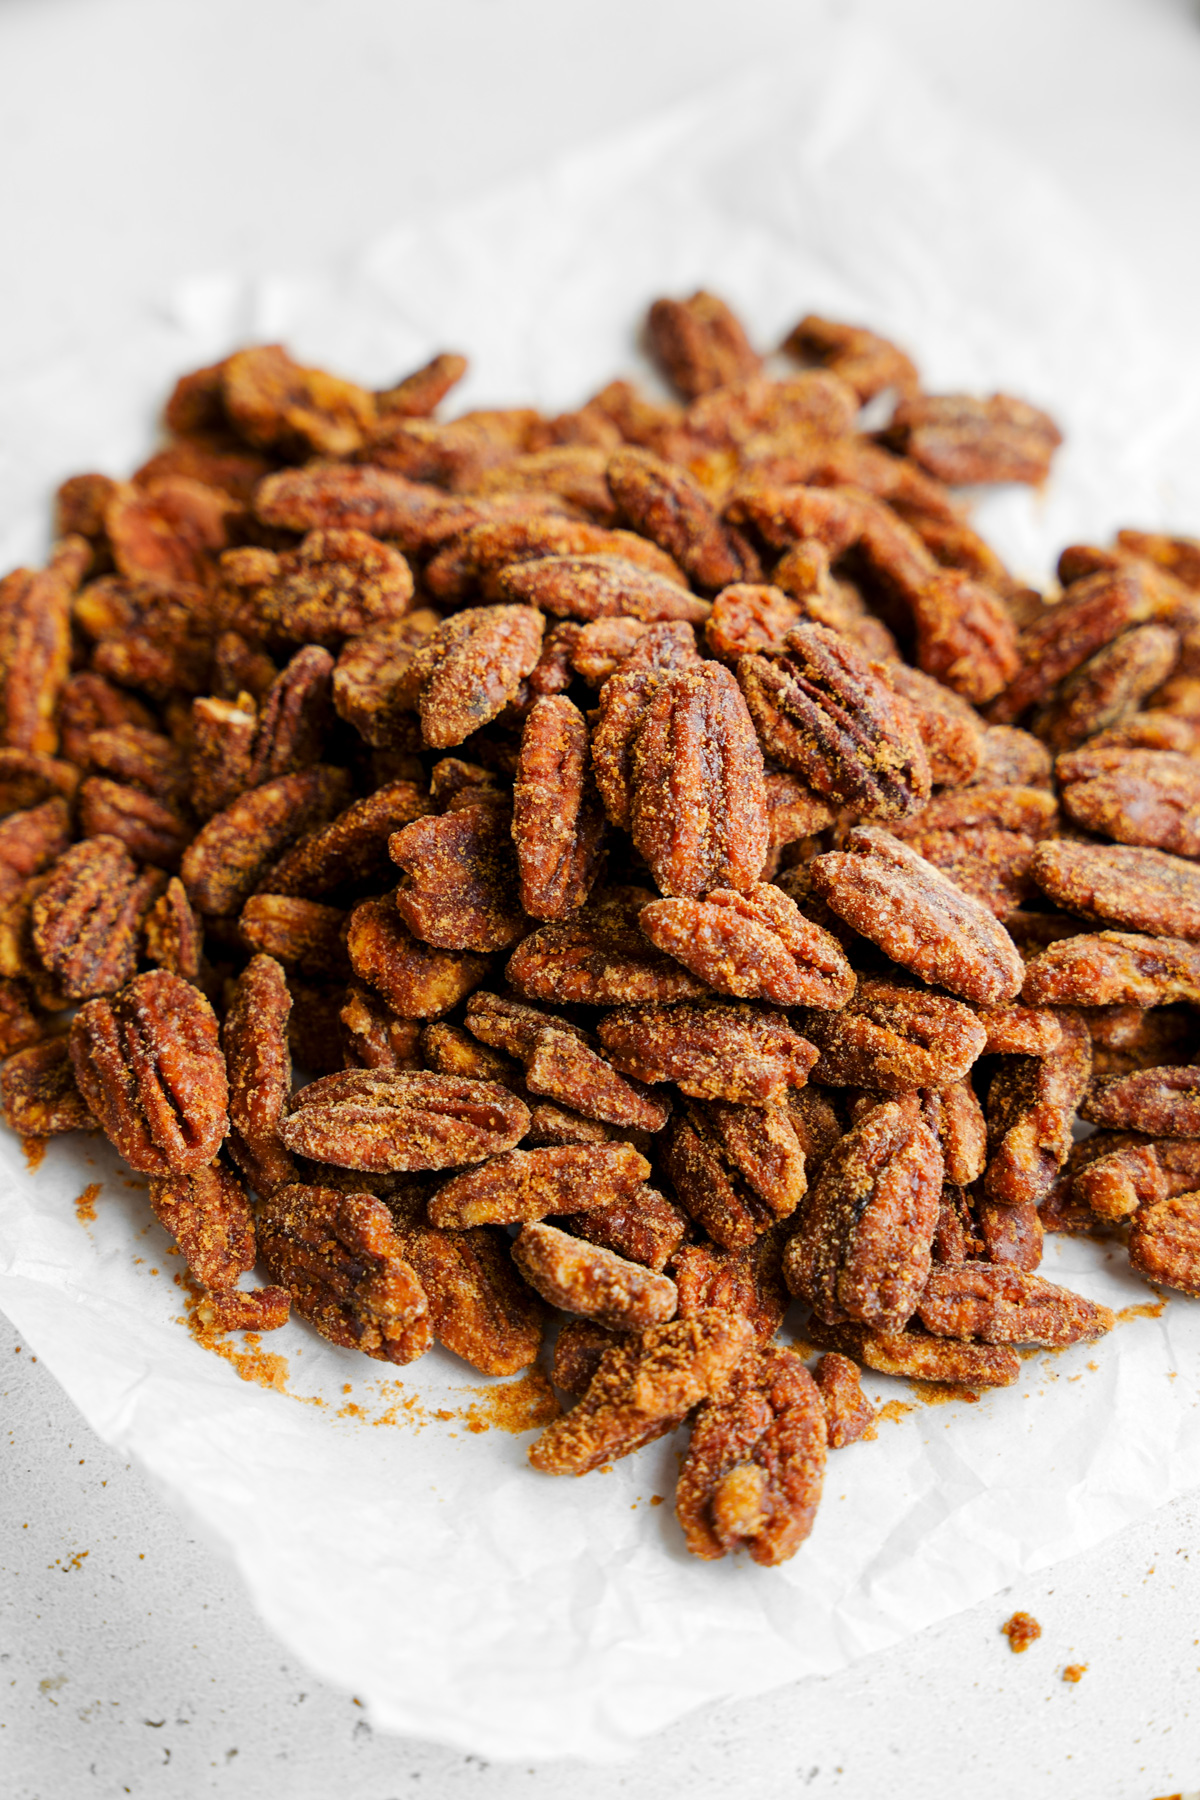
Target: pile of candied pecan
pixel 663 831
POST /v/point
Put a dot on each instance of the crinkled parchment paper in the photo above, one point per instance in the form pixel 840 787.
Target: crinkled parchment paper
pixel 413 1557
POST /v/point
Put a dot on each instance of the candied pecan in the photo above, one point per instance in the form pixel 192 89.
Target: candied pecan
pixel 1150 730
pixel 746 618
pixel 35 646
pixel 301 934
pixel 342 1261
pixel 168 530
pixel 965 441
pixel 1144 889
pixel 226 860
pixel 865 1240
pixel 965 634
pixel 624 700
pixel 419 393
pixel 1164 1242
pixel 998 1304
pixel 550 1124
pixel 148 635
pixel 599 957
pixel 1027 810
pixel 950 728
pixel 917 1356
pixel 171 934
pixel 825 715
pixel 1092 613
pixel 478 1305
pixel 1125 1038
pixel 383 1119
pixel 575 472
pixel 748 1281
pixel 849 1415
pixel 585 1278
pixel 1164 1102
pixel 151 830
pixel 150 1068
pixel 599 587
pixel 955 1117
pixel 335 584
pixel 793 811
pixel 351 848
pixel 1031 1108
pixel 469 669
pixel 735 1169
pixel 30 841
pixel 1010 1234
pixel 558 821
pixel 755 1465
pixel 1114 967
pixel 223 735
pixel 565 1069
pixel 1011 758
pixel 27 778
pixel 577 1352
pixel 756 946
pixel 746 1054
pixel 784 514
pixel 254 1037
pixel 343 496
pixel 919 918
pixel 867 362
pixel 373 687
pixel 661 502
pixel 525 1185
pixel 207 1213
pixel 262 1309
pixel 893 1038
pixel 275 404
pixel 210 461
pixel 508 1025
pixel 140 758
pixel 478 558
pixel 816 1122
pixel 700 344
pixel 417 980
pixel 1109 686
pixel 86 919
pixel 983 840
pixel 79 507
pixel 38 1092
pixel 1144 797
pixel 699 813
pixel 1125 1174
pixel 459 889
pixel 375 1037
pixel 1020 1030
pixel 646 1383
pixel 644 1227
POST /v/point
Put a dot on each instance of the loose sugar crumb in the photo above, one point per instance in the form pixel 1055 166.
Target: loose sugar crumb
pixel 1021 1631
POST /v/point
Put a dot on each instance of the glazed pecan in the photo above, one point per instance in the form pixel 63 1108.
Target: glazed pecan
pixel 594 1282
pixel 39 1094
pixel 1090 615
pixel 373 685
pixel 275 404
pixel 918 917
pixel 301 934
pixel 235 747
pixel 451 1051
pixel 1011 758
pixel 1009 1234
pixel 755 1465
pixel 1125 1038
pixel 30 841
pixel 1145 797
pixel 1163 1102
pixel 478 1305
pixel 147 635
pixel 87 918
pixel 168 529
pixel 748 1281
pixel 1124 1175
pixel 599 587
pixel 747 617
pixel 564 1068
pixel 476 560
pixel 151 830
pixel 340 1258
pixel 574 472
pixel 1164 1242
pixel 577 1352
pixel 254 1037
pixel 646 1383
pixel 326 496
pixel 465 674
pixel 375 1037
pixel 522 1186
pixel 226 860
pixel 823 713
pixel 644 1227
pixel 735 1169
pixel 866 362
pixel 950 729
pixel 417 980
pixel 746 1054
pixel 893 1038
pixel 599 957
pixel 918 1356
pixel 381 1119
pixel 558 821
pixel 1031 1109
pixel 138 758
pixel 35 646
pixel 756 946
pixel 459 889
pixel 508 1025
pixel 993 1304
pixel 964 440
pixel 1107 968
pixel 700 344
pixel 27 778
pixel 661 502
pixel 865 1241
pixel 1109 686
pixel 955 1117
pixel 1145 890
pixel 207 1213
pixel 150 1068
pixel 1020 1031
pixel 352 848
pixel 335 584
pixel 849 1415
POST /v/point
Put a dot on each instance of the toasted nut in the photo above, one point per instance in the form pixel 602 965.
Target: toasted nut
pixel 526 1185
pixel 382 1119
pixel 596 1283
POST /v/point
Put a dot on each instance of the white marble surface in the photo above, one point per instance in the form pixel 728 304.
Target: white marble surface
pixel 142 142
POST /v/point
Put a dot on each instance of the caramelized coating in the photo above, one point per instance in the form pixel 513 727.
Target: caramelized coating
pixel 87 916
pixel 865 361
pixel 600 587
pixel 746 1054
pixel 755 945
pixel 35 646
pixel 254 1038
pixel 599 957
pixel 755 1465
pixel 736 1170
pixel 646 1384
pixel 865 1241
pixel 39 1094
pixel 523 1186
pixel 564 1068
pixel 1012 758
pixel 416 980
pixel 336 584
pixel 893 1038
pixel 596 1283
pixel 661 502
pixel 558 821
pixel 478 1305
pixel 748 1282
pixel 460 885
pixel 918 1356
pixel 149 1066
pixel 1164 1242
pixel 849 1415
pixel 965 441
pixel 699 343
pixel 1031 1109
pixel 920 919
pixel 994 1304
pixel 1164 1102
pixel 207 1213
pixel 1146 797
pixel 470 668
pixel 341 1260
pixel 644 1227
pixel 1108 968
pixel 226 860
pixel 1144 890
pixel 382 1119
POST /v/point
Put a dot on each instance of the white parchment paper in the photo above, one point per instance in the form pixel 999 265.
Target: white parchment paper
pixel 414 1558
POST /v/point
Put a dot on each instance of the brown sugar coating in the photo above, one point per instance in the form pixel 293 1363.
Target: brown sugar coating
pixel 257 1057
pixel 585 1278
pixel 478 1305
pixel 894 1038
pixel 1031 1108
pixel 735 1169
pixel 748 1281
pixel 746 1054
pixel 388 1119
pixel 997 1304
pixel 558 821
pixel 849 1415
pixel 524 1185
pixel 756 946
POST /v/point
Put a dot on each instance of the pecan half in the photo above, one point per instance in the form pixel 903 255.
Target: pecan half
pixel 276 404
pixel 1091 614
pixel 87 918
pixel 918 1356
pixel 700 343
pixel 417 980
pixel 335 584
pixel 470 668
pixel 35 646
pixel 147 635
pixel 1031 1108
pixel 865 361
pixel 735 1169
pixel 207 1213
pixel 254 1037
pixel 580 1345
pixel 558 821
pixel 1003 1305
pixel 229 856
pixel 564 1068
pixel 893 1038
pixel 460 885
pixel 30 842
pixel 1164 1242
pixel 1146 797
pixel 39 1094
pixel 382 1119
pixel 599 957
pixel 150 1068
pixel 1145 890
pixel 1107 968
pixel 1162 1102
pixel 849 1415
pixel 373 685
pixel 964 440
pixel 375 1037
pixel 742 1053
pixel 523 1186
pixel 1109 686
pixel 756 946
pixel 478 1305
pixel 660 501
pixel 599 587
pixel 644 1227
pixel 596 1283
pixel 748 1281
pixel 1010 1234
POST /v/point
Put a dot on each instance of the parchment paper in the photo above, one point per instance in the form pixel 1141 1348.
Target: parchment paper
pixel 415 1559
